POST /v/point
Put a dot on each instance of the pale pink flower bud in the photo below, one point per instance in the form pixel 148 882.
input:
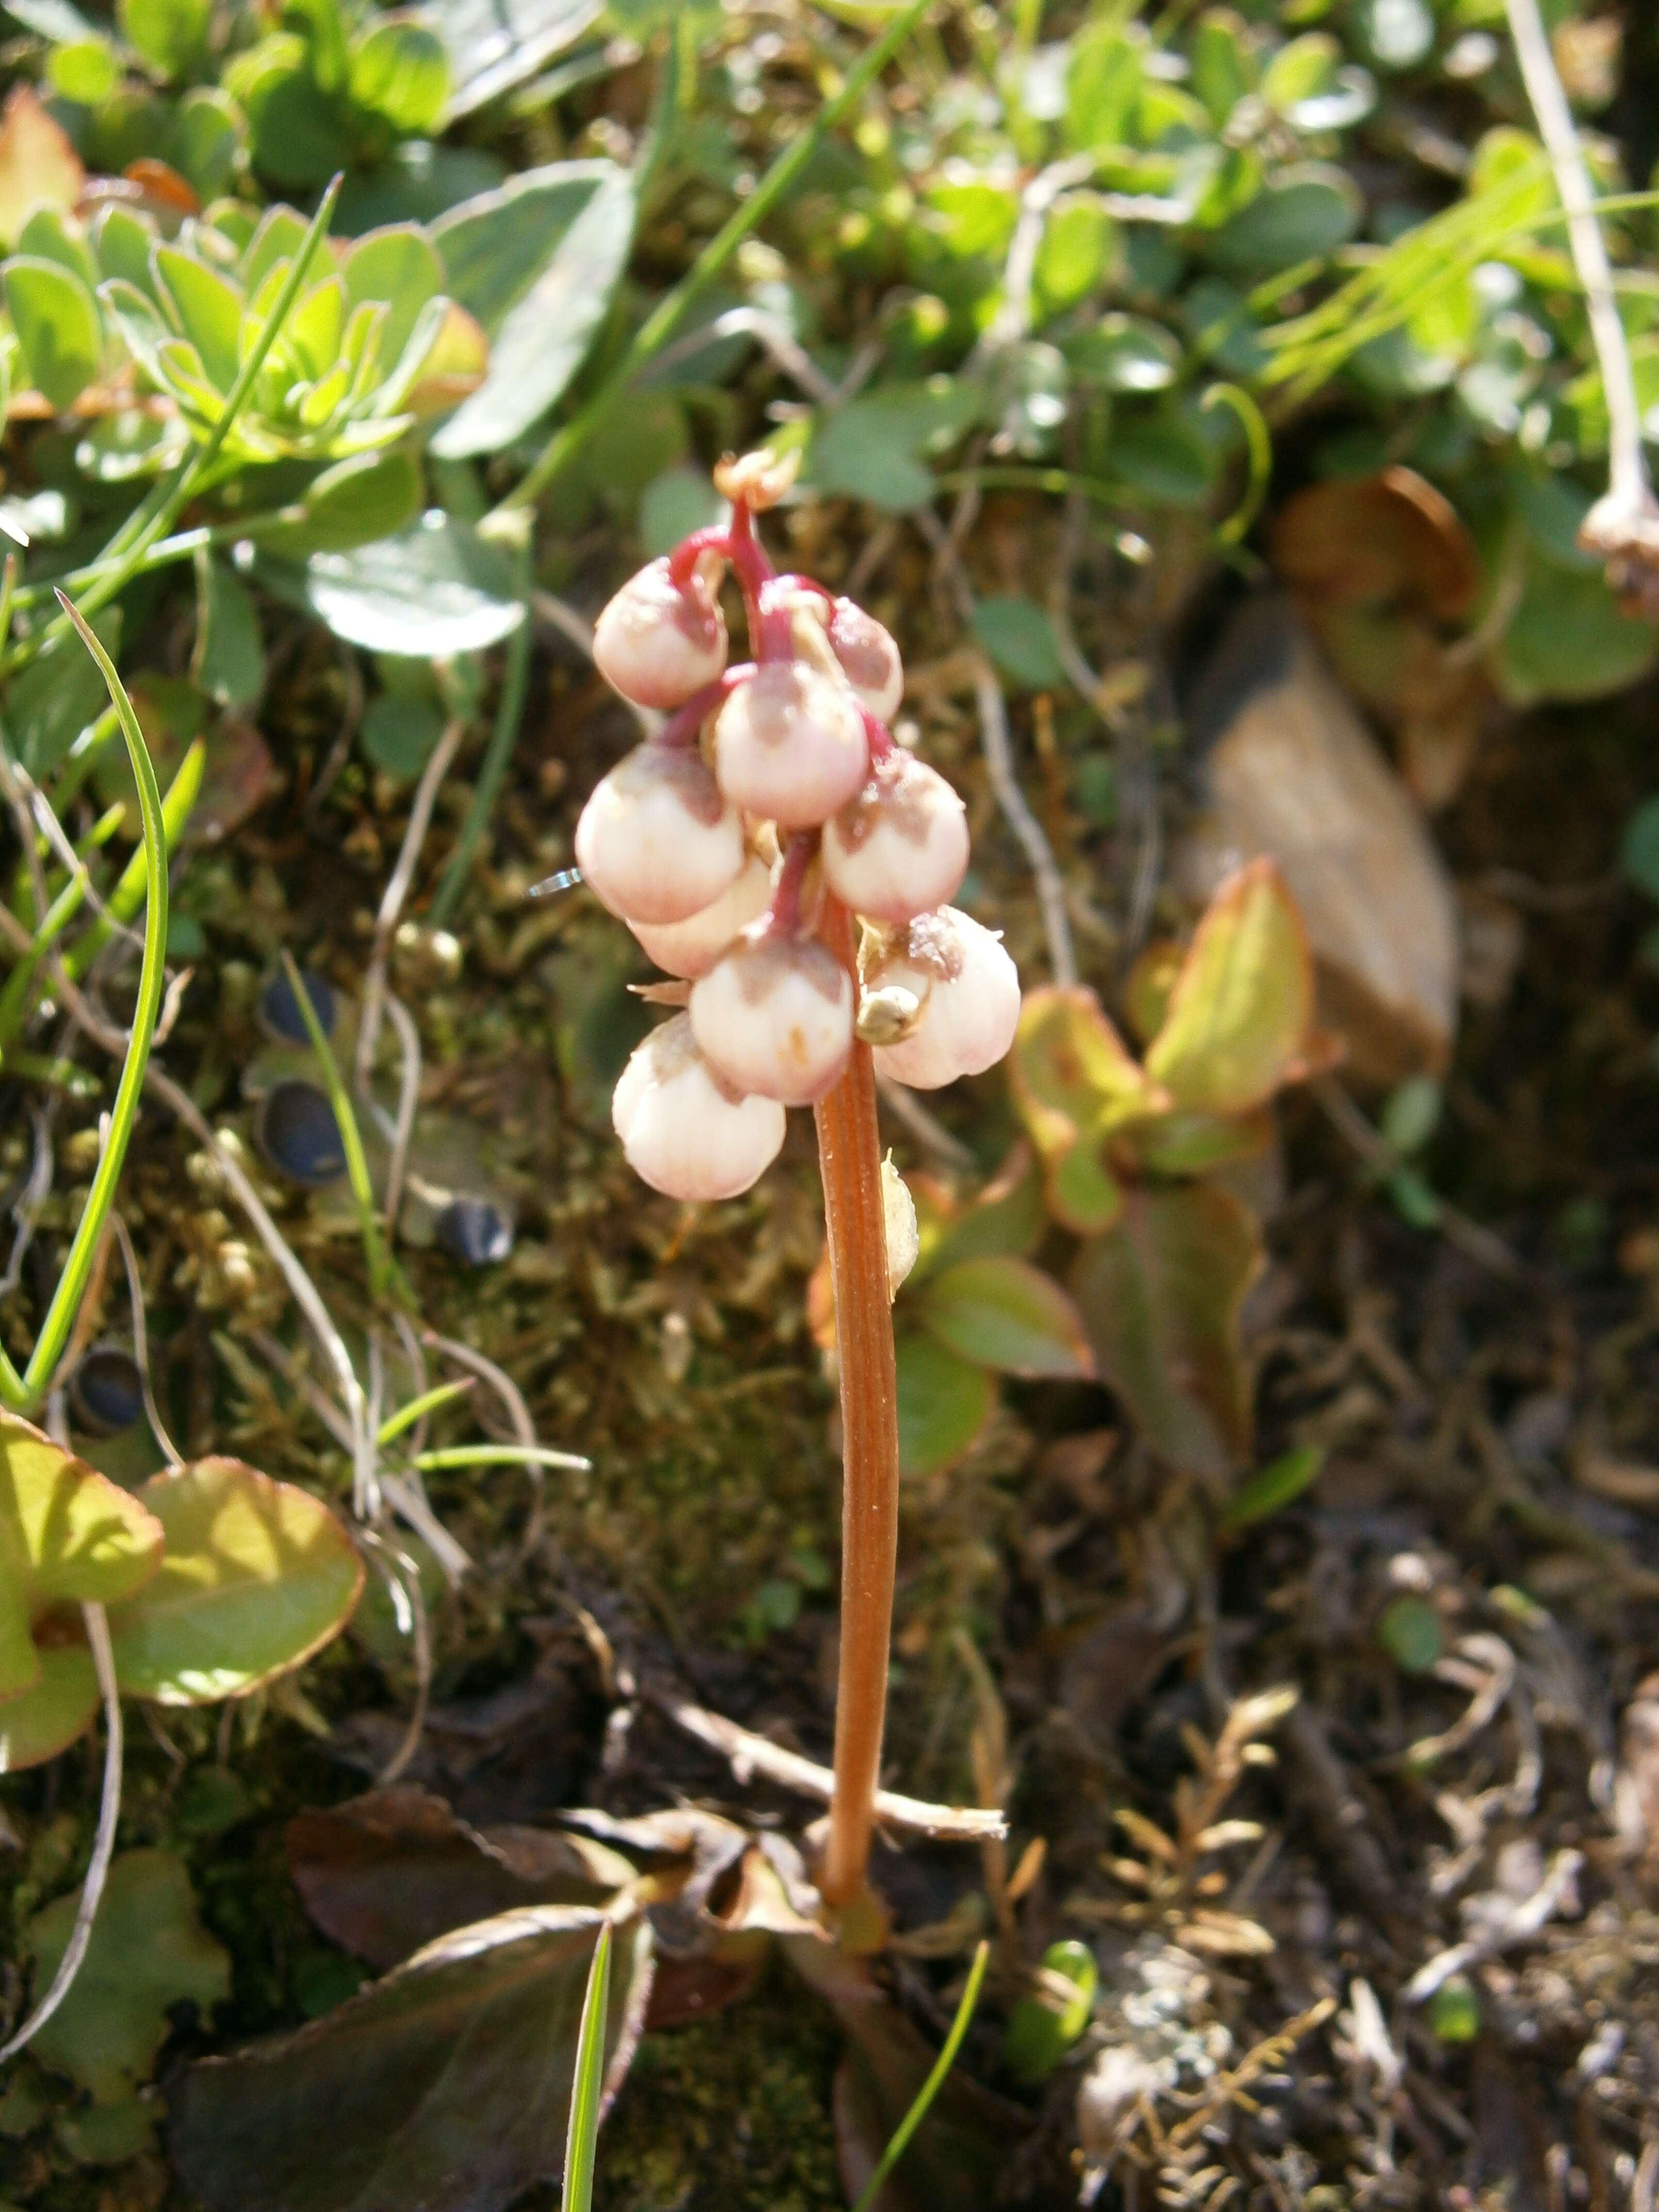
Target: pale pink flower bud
pixel 969 990
pixel 790 744
pixel 900 849
pixel 775 1016
pixel 656 841
pixel 691 948
pixel 869 659
pixel 658 641
pixel 685 1131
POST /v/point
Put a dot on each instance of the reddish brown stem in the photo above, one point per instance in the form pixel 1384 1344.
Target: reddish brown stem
pixel 849 1159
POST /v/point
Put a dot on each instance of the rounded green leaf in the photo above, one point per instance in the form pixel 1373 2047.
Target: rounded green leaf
pixel 1164 457
pixel 148 1951
pixel 207 135
pixel 1240 1014
pixel 1003 1313
pixel 398 266
pixel 68 1536
pixel 1043 2026
pixel 84 71
pixel 1304 212
pixel 400 72
pixel 943 1404
pixel 1569 638
pixel 1410 1630
pixel 206 310
pixel 367 497
pixel 1126 353
pixel 1018 636
pixel 169 34
pixel 434 590
pixel 256 1576
pixel 56 320
pixel 40 1722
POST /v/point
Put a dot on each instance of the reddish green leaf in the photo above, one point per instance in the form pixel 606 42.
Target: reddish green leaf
pixel 1160 1295
pixel 1241 1010
pixel 1006 1216
pixel 943 1404
pixel 447 2086
pixel 1071 1072
pixel 257 1575
pixel 1005 1313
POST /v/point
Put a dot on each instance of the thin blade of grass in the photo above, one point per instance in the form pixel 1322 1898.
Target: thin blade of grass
pixel 931 2087
pixel 427 1402
pixel 588 2085
pixel 126 899
pixel 499 1455
pixel 375 1260
pixel 71 1283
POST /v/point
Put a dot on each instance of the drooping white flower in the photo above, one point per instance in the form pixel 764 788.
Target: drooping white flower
pixel 789 744
pixel 657 641
pixel 685 1130
pixel 969 989
pixel 869 658
pixel 656 841
pixel 775 1015
pixel 691 948
pixel 900 849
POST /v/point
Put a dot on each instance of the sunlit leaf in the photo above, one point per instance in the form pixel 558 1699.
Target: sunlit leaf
pixel 45 1719
pixel 1005 1313
pixel 257 1574
pixel 1160 1295
pixel 1073 1079
pixel 148 1952
pixel 433 590
pixel 495 45
pixel 1239 1015
pixel 944 1402
pixel 56 320
pixel 37 161
pixel 399 72
pixel 445 2086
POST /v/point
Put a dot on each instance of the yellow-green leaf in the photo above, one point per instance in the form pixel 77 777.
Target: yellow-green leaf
pixel 1005 1313
pixel 1072 1071
pixel 257 1575
pixel 47 1717
pixel 1242 1009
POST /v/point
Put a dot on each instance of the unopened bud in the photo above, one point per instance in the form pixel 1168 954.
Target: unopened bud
pixel 970 989
pixel 775 1016
pixel 658 641
pixel 869 659
pixel 900 849
pixel 691 948
pixel 656 841
pixel 684 1130
pixel 789 744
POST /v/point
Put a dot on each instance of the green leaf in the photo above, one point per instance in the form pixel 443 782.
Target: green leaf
pixel 1410 1630
pixel 872 448
pixel 1301 213
pixel 944 1402
pixel 1160 1295
pixel 399 72
pixel 68 1536
pixel 169 34
pixel 1102 88
pixel 1569 640
pixel 1274 1487
pixel 1074 1081
pixel 85 71
pixel 1239 1015
pixel 674 504
pixel 1223 65
pixel 54 699
pixel 45 1719
pixel 297 139
pixel 446 2084
pixel 148 1951
pixel 398 264
pixel 1019 637
pixel 1164 457
pixel 398 734
pixel 495 45
pixel 434 590
pixel 56 320
pixel 1007 1315
pixel 121 240
pixel 587 2090
pixel 1177 1143
pixel 1639 851
pixel 496 244
pixel 1078 246
pixel 1042 2029
pixel 369 497
pixel 52 234
pixel 206 309
pixel 1125 353
pixel 256 1576
pixel 207 136
pixel 230 660
pixel 1006 1217
pixel 542 340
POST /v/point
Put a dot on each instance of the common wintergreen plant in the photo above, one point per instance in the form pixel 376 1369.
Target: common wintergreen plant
pixel 782 770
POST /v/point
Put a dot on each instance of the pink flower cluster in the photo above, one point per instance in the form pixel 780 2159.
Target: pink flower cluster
pixel 774 787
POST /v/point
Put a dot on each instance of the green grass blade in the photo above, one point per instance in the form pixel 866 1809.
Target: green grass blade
pixel 498 1456
pixel 931 2087
pixel 427 1402
pixel 588 2085
pixel 72 1283
pixel 658 325
pixel 125 900
pixel 375 1257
